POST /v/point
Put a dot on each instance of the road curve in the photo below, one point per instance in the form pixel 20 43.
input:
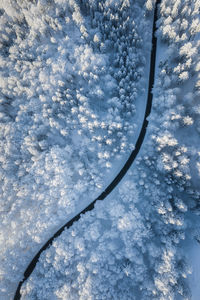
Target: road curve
pixel 123 171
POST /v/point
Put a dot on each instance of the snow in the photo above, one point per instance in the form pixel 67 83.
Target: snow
pixel 73 96
pixel 193 256
pixel 65 117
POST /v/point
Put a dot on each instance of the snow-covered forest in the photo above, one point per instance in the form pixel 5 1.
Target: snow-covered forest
pixel 74 82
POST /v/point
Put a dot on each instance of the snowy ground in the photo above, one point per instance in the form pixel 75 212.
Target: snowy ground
pixel 140 242
pixel 192 251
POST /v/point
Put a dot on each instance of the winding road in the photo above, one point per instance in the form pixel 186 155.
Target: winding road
pixel 123 171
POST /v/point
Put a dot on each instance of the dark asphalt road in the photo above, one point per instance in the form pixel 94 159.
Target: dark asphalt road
pixel 123 171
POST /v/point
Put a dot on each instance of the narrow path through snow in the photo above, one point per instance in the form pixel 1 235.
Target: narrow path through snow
pixel 123 171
